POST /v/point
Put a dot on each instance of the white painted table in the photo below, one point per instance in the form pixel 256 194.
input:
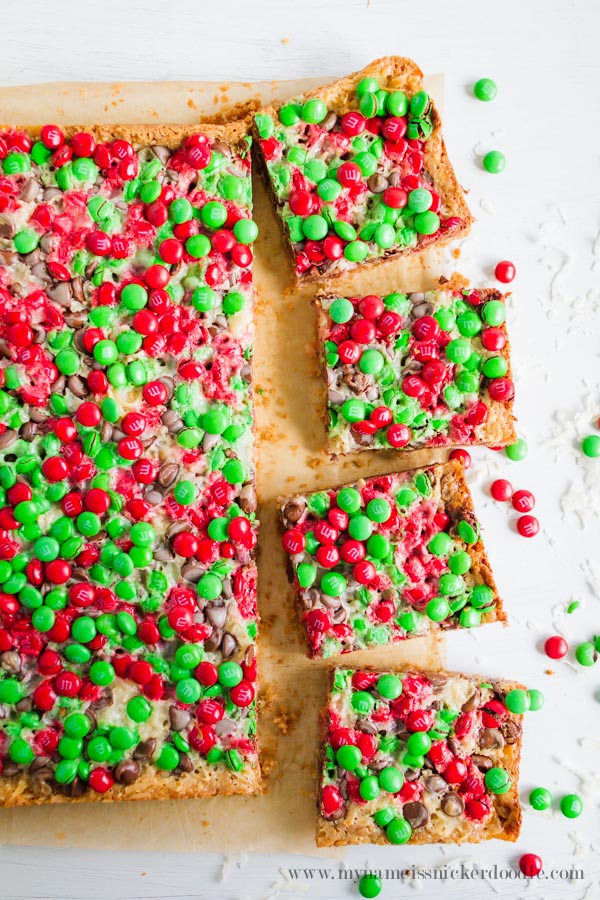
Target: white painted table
pixel 543 213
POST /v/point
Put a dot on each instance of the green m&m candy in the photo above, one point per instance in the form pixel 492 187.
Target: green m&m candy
pixel 540 798
pixel 494 162
pixel 314 111
pixel 517 701
pixel 341 310
pixel 370 886
pixel 571 806
pixel 497 780
pixel 517 451
pixel 369 788
pixel 389 686
pixel 230 674
pixel 333 584
pixel 349 500
pixel 398 831
pixel 362 703
pixel 590 446
pixel 348 757
pixel 536 699
pixel 390 779
pixel 485 89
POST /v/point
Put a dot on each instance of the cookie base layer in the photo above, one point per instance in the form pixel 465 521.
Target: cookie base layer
pixel 358 827
pixel 151 785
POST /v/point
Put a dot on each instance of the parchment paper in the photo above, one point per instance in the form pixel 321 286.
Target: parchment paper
pixel 290 436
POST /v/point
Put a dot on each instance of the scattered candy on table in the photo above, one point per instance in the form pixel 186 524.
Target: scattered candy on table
pixel 530 865
pixel 556 647
pixel 571 806
pixel 485 89
pixel 540 798
pixel 494 162
pixel 517 451
pixel 505 271
pixel 370 886
pixel 501 490
pixel 590 446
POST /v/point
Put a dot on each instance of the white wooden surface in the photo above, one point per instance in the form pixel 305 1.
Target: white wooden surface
pixel 544 214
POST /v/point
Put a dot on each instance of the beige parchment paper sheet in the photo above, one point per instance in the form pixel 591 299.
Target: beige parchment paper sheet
pixel 290 437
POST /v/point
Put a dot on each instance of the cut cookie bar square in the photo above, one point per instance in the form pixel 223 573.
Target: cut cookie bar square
pixel 358 172
pixel 408 371
pixel 386 559
pixel 128 610
pixel 419 757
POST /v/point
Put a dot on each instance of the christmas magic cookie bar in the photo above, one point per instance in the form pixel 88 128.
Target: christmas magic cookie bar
pixel 358 171
pixel 419 757
pixel 127 504
pixel 416 370
pixel 386 559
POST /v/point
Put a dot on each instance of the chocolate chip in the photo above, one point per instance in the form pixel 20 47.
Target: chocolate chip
pixel 228 645
pixel 209 441
pixel 169 384
pixel 168 474
pixel 172 421
pixel 10 661
pixel 7 438
pixel 162 153
pixel 192 572
pixel 357 382
pixel 491 739
pixel 38 415
pixel 225 726
pixel 179 718
pixel 329 121
pixel 511 731
pixel 61 293
pixel 216 615
pixel 415 814
pixel 394 178
pixel 213 641
pixel 28 431
pixel 152 496
pixel 77 288
pixel 76 788
pixel 30 190
pixel 104 701
pixel 435 784
pixel 294 510
pixel 128 771
pixel 145 749
pixel 473 701
pixel 163 554
pixel 482 762
pixel 247 499
pixel 7 258
pixel 10 768
pixel 377 183
pixel 335 398
pixel 452 804
pixel 77 386
pixel 185 764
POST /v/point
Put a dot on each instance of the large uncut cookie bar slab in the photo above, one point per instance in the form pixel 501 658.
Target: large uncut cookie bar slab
pixel 358 172
pixel 127 518
pixel 418 757
pixel 386 559
pixel 408 371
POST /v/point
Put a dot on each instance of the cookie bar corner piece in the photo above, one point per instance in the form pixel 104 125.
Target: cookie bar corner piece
pixel 387 558
pixel 418 757
pixel 128 609
pixel 417 370
pixel 358 171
